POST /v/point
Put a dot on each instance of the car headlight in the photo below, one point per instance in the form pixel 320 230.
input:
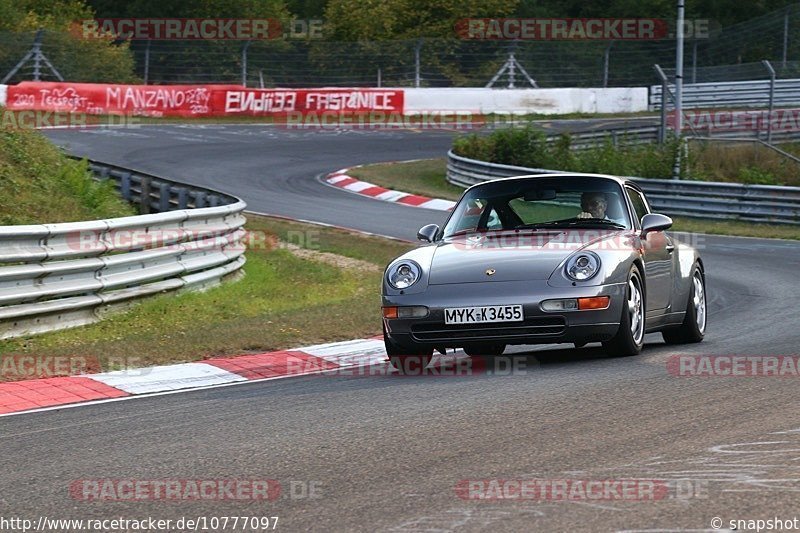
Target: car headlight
pixel 403 275
pixel 582 266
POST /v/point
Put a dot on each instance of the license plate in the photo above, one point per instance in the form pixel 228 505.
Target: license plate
pixel 483 314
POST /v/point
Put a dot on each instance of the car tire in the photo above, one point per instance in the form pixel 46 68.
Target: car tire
pixel 485 350
pixel 629 338
pixel 407 360
pixel 693 328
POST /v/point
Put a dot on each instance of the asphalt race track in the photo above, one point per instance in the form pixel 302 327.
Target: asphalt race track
pixel 386 452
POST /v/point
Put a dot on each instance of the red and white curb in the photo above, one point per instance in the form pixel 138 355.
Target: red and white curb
pixel 38 394
pixel 343 181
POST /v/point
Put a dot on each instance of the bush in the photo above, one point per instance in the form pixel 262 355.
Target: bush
pixel 527 147
pixel 757 176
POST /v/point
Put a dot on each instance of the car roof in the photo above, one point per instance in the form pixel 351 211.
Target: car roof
pixel 566 175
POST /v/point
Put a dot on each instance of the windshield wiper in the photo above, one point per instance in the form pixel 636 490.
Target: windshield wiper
pixel 602 221
pixel 481 232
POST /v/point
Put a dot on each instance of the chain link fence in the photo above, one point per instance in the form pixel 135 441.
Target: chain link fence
pixel 732 53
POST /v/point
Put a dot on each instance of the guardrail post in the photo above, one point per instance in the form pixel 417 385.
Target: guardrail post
pixel 144 199
pixel 183 198
pixel 125 186
pixel 199 199
pixel 771 70
pixel 163 198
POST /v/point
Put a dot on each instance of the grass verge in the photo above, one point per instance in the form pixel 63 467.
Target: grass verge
pixel 427 177
pixel 328 291
pixel 39 184
pixel 745 162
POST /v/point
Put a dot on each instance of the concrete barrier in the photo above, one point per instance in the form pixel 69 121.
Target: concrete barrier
pixel 524 101
pixel 514 101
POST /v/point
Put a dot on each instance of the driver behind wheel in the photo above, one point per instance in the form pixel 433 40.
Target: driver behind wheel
pixel 594 205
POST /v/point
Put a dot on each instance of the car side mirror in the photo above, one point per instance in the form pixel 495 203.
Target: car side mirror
pixel 655 222
pixel 428 233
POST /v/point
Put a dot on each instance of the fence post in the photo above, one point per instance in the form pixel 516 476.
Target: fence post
pixel 512 61
pixel 244 62
pixel 682 149
pixel 37 56
pixel 662 130
pixel 785 36
pixel 771 70
pixel 679 70
pixel 147 62
pixel 379 78
pixel 417 49
pixel 606 56
pixel 694 61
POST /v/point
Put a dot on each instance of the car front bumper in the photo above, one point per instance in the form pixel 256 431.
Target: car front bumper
pixel 537 327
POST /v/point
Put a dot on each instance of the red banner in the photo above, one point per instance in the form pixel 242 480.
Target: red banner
pixel 195 100
pixel 258 102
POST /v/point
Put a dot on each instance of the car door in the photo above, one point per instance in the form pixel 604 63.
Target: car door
pixel 658 251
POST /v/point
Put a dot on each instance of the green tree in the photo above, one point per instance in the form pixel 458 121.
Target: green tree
pixel 76 58
pixel 191 8
pixel 359 20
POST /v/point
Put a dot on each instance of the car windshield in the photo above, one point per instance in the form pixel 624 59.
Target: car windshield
pixel 557 202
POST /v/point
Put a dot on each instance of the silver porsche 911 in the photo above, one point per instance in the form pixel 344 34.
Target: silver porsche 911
pixel 567 258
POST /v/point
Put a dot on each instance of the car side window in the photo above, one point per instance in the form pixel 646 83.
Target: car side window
pixel 471 215
pixel 638 203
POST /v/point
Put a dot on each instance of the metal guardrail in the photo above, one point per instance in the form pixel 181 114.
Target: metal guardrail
pixel 54 276
pixel 699 199
pixel 624 135
pixel 753 93
pixel 616 134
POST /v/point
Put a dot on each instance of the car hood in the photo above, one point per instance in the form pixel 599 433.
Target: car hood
pixel 512 256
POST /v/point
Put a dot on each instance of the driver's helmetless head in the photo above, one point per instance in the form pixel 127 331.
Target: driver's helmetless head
pixel 594 203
